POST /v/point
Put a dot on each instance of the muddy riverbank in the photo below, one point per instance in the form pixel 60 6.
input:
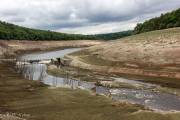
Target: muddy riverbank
pixel 116 88
pixel 163 78
pixel 32 100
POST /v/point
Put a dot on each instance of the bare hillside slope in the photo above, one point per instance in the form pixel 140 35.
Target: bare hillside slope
pixel 156 52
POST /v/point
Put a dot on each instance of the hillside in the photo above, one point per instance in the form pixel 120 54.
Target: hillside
pixel 113 36
pixel 168 20
pixel 14 32
pixel 11 31
pixel 157 50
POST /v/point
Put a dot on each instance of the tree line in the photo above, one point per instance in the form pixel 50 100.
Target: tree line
pixel 14 32
pixel 10 31
pixel 165 21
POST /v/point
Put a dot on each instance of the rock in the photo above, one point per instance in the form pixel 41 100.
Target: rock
pixel 147 101
pixel 52 67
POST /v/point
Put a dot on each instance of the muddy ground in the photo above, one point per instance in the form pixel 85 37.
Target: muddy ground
pixel 32 100
pixel 25 99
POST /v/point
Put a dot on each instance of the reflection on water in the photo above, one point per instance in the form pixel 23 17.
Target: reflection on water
pixel 38 72
pixel 49 55
pixel 154 100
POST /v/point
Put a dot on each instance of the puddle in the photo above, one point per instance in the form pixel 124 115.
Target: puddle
pixel 147 97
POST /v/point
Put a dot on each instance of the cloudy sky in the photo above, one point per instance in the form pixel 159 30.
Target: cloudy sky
pixel 83 16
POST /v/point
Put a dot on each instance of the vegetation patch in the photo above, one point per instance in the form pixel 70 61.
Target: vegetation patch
pixel 165 21
pixel 14 32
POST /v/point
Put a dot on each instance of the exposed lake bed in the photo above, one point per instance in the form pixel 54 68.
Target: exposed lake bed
pixel 90 60
pixel 33 100
pixel 118 89
pixel 79 99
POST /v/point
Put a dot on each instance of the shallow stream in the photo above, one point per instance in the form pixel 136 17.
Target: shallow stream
pixel 146 96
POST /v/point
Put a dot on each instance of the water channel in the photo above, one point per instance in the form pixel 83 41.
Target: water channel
pixel 147 97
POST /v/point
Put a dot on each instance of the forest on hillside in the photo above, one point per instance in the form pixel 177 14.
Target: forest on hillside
pixel 10 31
pixel 165 21
pixel 113 36
pixel 13 32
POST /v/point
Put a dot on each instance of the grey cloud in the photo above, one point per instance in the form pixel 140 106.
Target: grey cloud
pixel 17 20
pixel 76 14
pixel 56 26
pixel 9 13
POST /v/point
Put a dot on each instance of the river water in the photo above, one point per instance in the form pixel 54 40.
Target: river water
pixel 147 97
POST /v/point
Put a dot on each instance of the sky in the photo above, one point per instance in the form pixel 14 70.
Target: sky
pixel 83 16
